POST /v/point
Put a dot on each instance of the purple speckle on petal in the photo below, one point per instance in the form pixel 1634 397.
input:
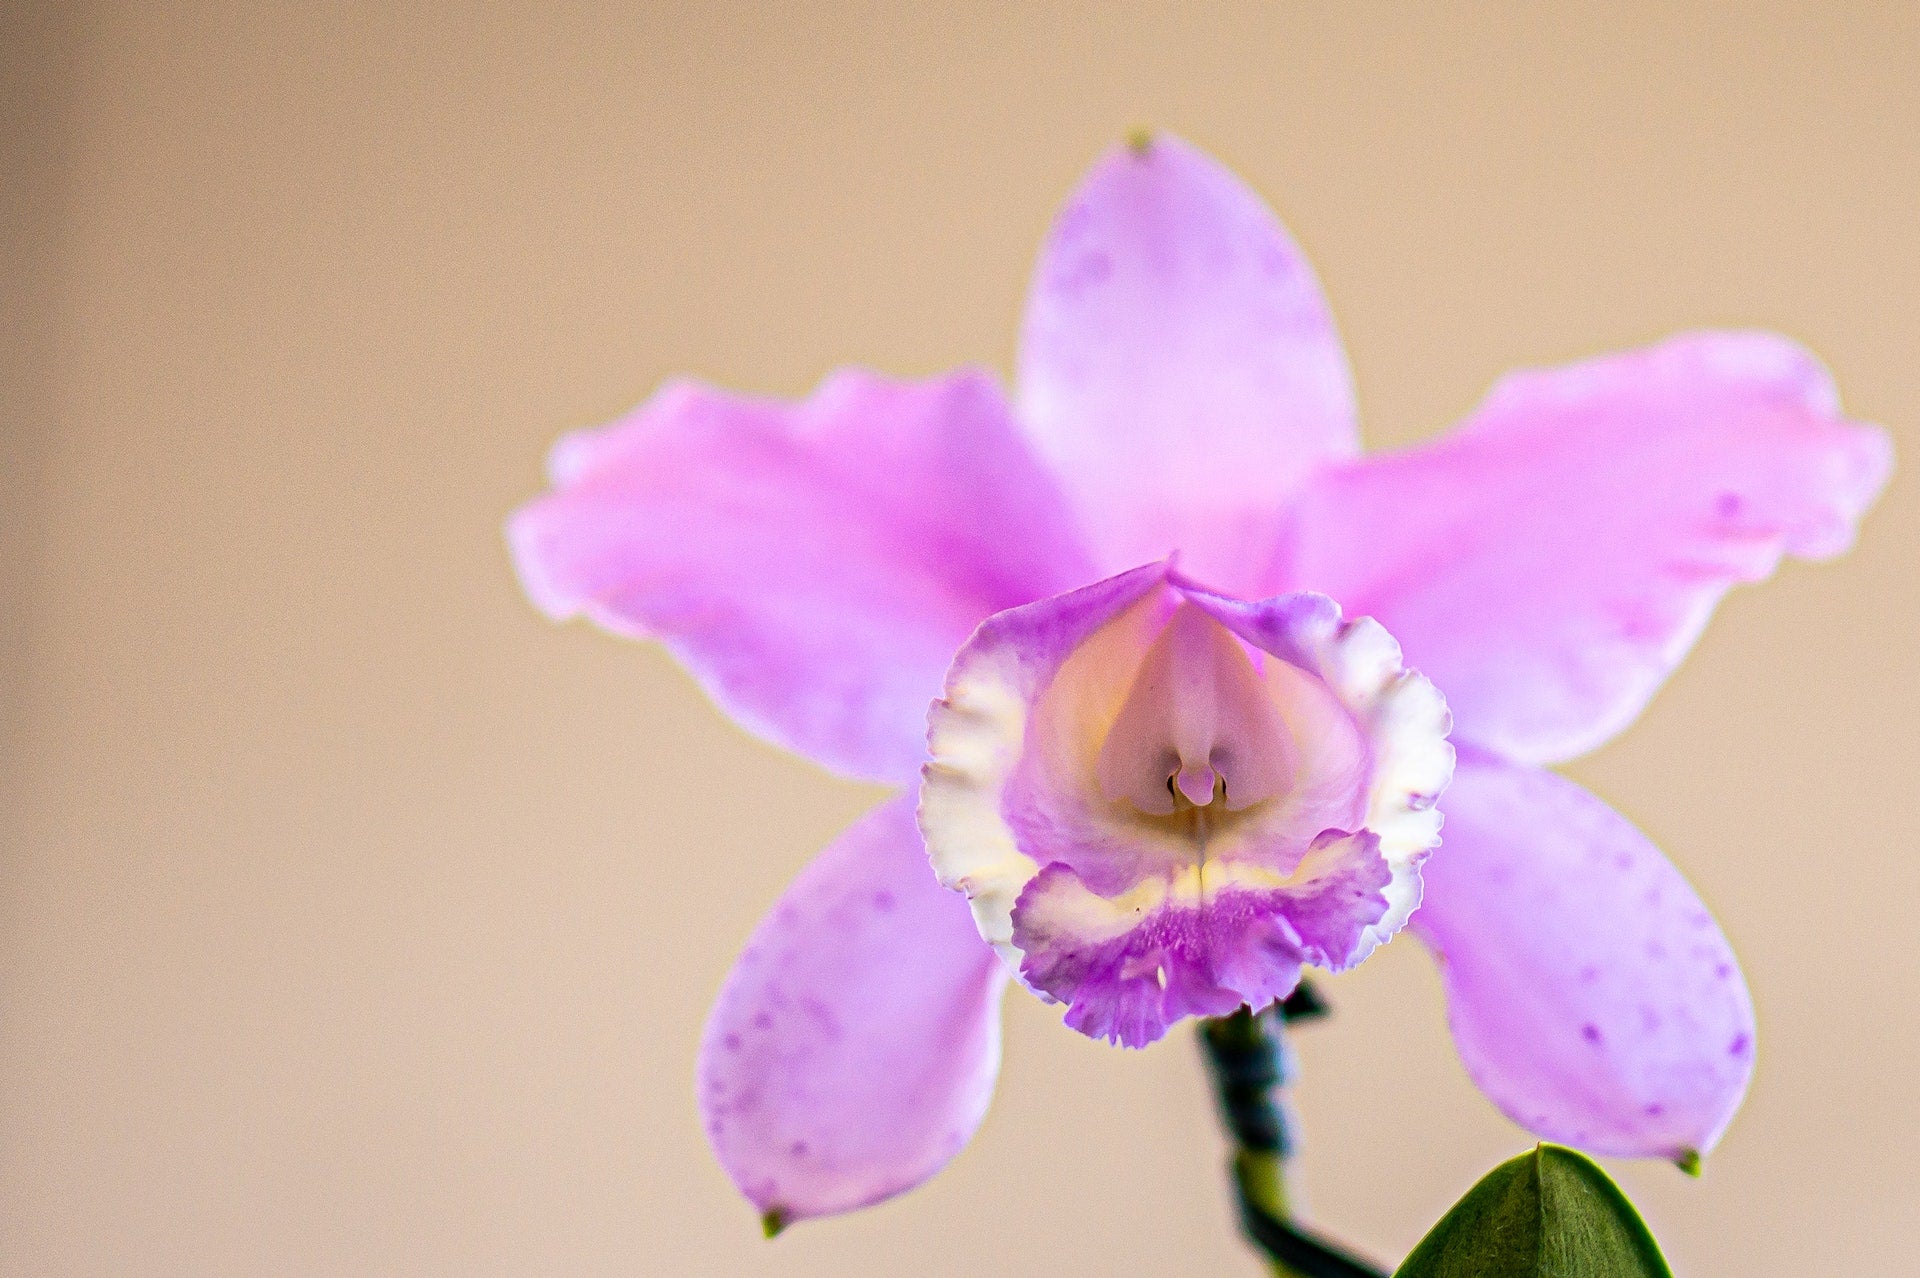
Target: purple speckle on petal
pixel 1739 1046
pixel 1590 1032
pixel 1275 260
pixel 763 1020
pixel 1723 970
pixel 1655 1110
pixel 798 1149
pixel 1073 223
pixel 1075 276
pixel 1727 505
pixel 1589 974
pixel 731 1042
pixel 883 901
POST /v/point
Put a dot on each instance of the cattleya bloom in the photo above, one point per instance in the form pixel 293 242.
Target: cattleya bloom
pixel 1170 759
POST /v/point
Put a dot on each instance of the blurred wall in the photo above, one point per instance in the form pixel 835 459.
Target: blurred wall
pixel 355 921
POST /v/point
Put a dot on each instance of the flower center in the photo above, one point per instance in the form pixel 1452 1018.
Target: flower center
pixel 1197 726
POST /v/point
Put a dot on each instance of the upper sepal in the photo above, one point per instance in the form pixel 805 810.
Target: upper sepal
pixel 1179 366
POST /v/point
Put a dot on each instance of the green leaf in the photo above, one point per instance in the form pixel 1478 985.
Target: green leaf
pixel 1551 1212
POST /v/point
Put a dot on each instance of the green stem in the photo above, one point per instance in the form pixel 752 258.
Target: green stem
pixel 1251 1064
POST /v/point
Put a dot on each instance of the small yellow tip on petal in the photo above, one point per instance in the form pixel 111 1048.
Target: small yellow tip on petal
pixel 1140 139
pixel 772 1222
pixel 1688 1162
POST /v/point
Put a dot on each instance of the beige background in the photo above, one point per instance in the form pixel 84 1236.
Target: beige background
pixel 355 921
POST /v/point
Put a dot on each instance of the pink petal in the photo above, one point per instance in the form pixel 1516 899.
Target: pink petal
pixel 1552 560
pixel 853 1049
pixel 1591 994
pixel 1178 364
pixel 815 565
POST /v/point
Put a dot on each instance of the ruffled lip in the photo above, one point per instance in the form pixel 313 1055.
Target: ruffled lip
pixel 1116 910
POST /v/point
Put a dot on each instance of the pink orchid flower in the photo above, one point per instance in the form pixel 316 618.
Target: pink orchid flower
pixel 1165 770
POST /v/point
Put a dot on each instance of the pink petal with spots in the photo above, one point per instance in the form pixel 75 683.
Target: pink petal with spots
pixel 854 1046
pixel 1591 994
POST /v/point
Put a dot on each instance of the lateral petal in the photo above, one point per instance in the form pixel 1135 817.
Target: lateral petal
pixel 1553 559
pixel 814 565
